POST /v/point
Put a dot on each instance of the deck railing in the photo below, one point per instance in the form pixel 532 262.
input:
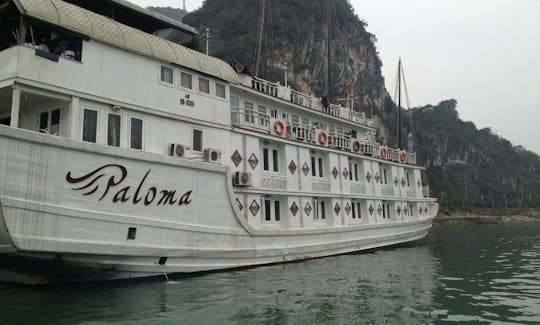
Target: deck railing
pixel 358 189
pixel 320 186
pixel 301 132
pixel 339 141
pixel 264 86
pixel 275 182
pixel 425 191
pixel 250 118
pixel 387 191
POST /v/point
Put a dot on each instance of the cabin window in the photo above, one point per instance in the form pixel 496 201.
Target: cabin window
pixel 265 159
pixel 90 125
pixel 356 210
pixel 270 215
pixel 320 167
pixel 275 159
pixel 113 130
pixel 408 182
pixel 353 210
pixel 220 90
pixel 313 166
pixel 273 113
pixel 249 117
pixel 49 122
pixel 262 116
pixel 235 101
pixel 384 175
pixel 166 75
pixel 355 172
pixel 186 80
pixel 197 140
pixel 5 120
pixel 270 157
pixel 136 133
pixel 204 85
pixel 319 210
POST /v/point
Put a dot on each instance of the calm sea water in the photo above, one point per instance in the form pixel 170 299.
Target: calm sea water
pixel 460 274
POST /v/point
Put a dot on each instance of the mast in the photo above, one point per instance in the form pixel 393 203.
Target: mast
pixel 327 72
pixel 399 105
pixel 260 36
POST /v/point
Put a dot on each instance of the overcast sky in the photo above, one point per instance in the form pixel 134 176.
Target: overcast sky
pixel 483 53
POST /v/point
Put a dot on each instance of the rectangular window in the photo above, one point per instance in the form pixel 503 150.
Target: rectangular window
pixel 267 212
pixel 136 133
pixel 408 184
pixel 356 172
pixel 313 167
pixel 275 160
pixel 197 140
pixel 277 211
pixel 90 125
pixel 220 90
pixel 384 212
pixel 262 116
pixel 323 210
pixel 113 130
pixel 358 206
pixel 166 75
pixel 49 122
pixel 186 80
pixel 385 179
pixel 320 167
pixel 273 113
pixel 350 171
pixel 44 122
pixel 235 101
pixel 204 85
pixel 353 205
pixel 265 159
pixel 249 117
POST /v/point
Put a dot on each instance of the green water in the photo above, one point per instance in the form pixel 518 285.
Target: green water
pixel 458 274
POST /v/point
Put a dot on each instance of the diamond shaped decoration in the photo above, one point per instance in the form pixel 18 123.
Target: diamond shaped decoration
pixel 348 208
pixel 377 177
pixel 292 167
pixel 368 177
pixel 345 173
pixel 406 210
pixel 305 169
pixel 420 210
pixel 307 208
pixel 236 158
pixel 254 207
pixel 398 210
pixel 294 209
pixel 379 209
pixel 396 181
pixel 253 161
pixel 402 182
pixel 240 206
pixel 425 209
pixel 337 209
pixel 419 183
pixel 371 209
pixel 335 172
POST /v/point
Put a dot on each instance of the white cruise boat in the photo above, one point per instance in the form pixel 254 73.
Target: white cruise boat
pixel 125 155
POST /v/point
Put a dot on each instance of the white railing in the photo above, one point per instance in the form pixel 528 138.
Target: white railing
pixel 358 189
pixel 275 182
pixel 425 191
pixel 250 118
pixel 387 191
pixel 411 158
pixel 264 86
pixel 301 132
pixel 369 148
pixel 339 141
pixel 320 186
pixel 411 193
pixel 301 99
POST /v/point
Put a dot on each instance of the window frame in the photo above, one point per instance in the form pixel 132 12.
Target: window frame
pixel 199 86
pixel 219 84
pixel 193 130
pixel 162 82
pixel 181 72
pixel 49 112
pixel 130 120
pixel 119 129
pixel 98 114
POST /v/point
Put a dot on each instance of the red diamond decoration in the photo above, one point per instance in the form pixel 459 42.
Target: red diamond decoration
pixel 292 167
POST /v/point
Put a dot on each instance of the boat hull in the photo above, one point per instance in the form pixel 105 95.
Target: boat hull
pixel 72 211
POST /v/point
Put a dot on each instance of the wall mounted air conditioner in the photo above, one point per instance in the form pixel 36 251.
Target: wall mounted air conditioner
pixel 179 150
pixel 212 155
pixel 242 179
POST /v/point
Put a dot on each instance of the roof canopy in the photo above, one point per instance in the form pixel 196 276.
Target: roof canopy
pixel 107 30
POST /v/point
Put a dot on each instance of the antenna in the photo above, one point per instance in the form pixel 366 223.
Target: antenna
pixel 184 5
pixel 207 38
pixel 260 38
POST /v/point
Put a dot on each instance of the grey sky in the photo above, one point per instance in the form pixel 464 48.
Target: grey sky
pixel 483 53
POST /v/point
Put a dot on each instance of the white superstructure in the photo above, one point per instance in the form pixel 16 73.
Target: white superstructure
pixel 126 155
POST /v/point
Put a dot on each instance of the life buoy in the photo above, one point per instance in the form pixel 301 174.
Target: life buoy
pixel 279 127
pixel 402 156
pixel 355 145
pixel 323 138
pixel 384 153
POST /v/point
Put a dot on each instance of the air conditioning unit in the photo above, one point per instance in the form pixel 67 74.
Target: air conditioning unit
pixel 242 179
pixel 179 150
pixel 212 155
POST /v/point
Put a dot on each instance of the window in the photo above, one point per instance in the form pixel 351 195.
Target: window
pixel 197 140
pixel 113 130
pixel 275 159
pixel 313 167
pixel 89 125
pixel 220 90
pixel 49 122
pixel 262 116
pixel 235 101
pixel 166 75
pixel 186 80
pixel 384 175
pixel 265 159
pixel 249 117
pixel 319 212
pixel 273 113
pixel 136 133
pixel 353 210
pixel 320 167
pixel 408 183
pixel 204 85
pixel 267 211
pixel 356 172
pixel 270 215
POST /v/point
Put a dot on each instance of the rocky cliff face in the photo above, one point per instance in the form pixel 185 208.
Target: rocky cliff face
pixel 295 36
